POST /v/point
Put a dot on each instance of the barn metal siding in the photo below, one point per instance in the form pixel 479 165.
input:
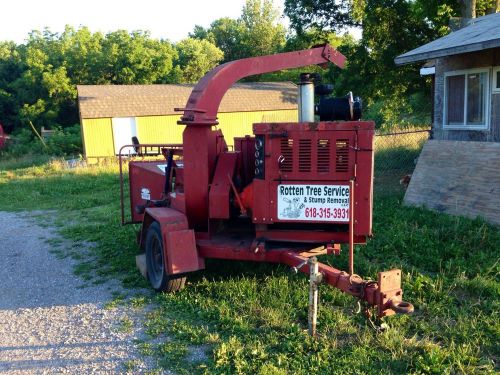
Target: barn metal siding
pixel 483 59
pixel 159 129
pixel 98 133
pixel 164 129
pixel 239 124
pixel 98 137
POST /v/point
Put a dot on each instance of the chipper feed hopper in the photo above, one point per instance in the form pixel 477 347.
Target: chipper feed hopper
pixel 288 192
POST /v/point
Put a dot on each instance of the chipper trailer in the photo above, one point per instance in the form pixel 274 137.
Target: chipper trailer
pixel 286 194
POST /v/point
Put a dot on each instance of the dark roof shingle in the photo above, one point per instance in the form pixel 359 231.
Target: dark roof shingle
pixel 99 101
pixel 481 33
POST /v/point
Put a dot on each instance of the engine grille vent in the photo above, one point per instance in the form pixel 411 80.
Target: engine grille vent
pixel 323 164
pixel 342 155
pixel 287 152
pixel 305 151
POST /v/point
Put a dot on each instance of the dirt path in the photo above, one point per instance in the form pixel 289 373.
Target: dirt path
pixel 49 321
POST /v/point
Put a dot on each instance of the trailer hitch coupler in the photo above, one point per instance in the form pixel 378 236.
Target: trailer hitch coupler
pixel 402 307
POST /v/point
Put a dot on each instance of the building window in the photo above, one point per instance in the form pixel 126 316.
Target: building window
pixel 466 99
pixel 496 80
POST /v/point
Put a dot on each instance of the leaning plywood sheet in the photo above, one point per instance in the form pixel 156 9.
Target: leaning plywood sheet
pixel 459 178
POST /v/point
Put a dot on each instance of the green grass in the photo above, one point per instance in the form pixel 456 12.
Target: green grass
pixel 8 162
pixel 252 318
pixel 126 325
pixel 395 157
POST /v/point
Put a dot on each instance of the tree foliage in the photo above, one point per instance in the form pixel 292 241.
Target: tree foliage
pixel 332 15
pixel 256 32
pixel 263 34
pixel 38 79
pixel 389 28
pixel 227 34
pixel 196 57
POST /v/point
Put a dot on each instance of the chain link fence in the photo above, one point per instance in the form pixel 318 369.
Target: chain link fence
pixel 396 155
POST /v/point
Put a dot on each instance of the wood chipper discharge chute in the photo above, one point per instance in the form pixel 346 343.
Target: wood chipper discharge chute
pixel 286 194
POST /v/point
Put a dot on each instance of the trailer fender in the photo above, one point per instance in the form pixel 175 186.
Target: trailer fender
pixel 179 244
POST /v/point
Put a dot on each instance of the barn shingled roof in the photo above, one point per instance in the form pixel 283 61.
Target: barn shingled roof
pixel 100 101
pixel 481 33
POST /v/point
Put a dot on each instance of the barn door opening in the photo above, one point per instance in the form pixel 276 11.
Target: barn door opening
pixel 124 128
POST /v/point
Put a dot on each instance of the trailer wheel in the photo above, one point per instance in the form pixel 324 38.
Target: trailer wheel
pixel 157 273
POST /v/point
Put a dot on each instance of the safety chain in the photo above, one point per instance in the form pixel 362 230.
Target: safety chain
pixel 377 327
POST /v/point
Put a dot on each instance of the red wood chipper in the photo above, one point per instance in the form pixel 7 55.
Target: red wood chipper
pixel 288 193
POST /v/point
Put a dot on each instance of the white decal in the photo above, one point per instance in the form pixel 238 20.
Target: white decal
pixel 163 167
pixel 313 202
pixel 145 194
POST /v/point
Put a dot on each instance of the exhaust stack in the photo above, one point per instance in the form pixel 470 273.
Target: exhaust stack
pixel 306 97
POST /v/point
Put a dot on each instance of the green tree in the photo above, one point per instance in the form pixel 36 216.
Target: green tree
pixel 332 15
pixel 81 51
pixel 389 28
pixel 196 57
pixel 11 68
pixel 482 7
pixel 43 86
pixel 38 79
pixel 256 32
pixel 264 35
pixel 128 58
pixel 228 35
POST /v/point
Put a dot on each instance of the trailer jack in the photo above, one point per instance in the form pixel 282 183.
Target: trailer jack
pixel 395 305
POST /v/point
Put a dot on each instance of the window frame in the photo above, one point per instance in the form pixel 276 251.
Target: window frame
pixel 464 126
pixel 494 88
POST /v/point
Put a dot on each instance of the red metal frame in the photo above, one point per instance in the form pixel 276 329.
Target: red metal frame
pixel 204 101
pixel 198 209
pixel 385 293
pixel 201 144
pixel 325 153
pixel 144 150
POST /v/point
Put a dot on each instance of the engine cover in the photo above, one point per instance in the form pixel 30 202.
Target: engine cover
pixel 303 174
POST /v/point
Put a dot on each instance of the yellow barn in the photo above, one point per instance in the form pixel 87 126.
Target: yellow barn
pixel 110 115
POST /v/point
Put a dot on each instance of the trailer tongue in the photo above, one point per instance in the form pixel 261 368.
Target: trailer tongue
pixel 289 193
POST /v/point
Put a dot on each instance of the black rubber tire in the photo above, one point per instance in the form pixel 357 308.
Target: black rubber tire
pixel 156 264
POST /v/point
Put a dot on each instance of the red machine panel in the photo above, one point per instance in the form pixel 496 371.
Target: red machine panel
pixel 147 181
pixel 246 147
pixel 3 137
pixel 305 173
pixel 182 255
pixel 220 189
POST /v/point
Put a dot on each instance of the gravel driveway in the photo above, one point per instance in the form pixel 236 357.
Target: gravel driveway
pixel 49 321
